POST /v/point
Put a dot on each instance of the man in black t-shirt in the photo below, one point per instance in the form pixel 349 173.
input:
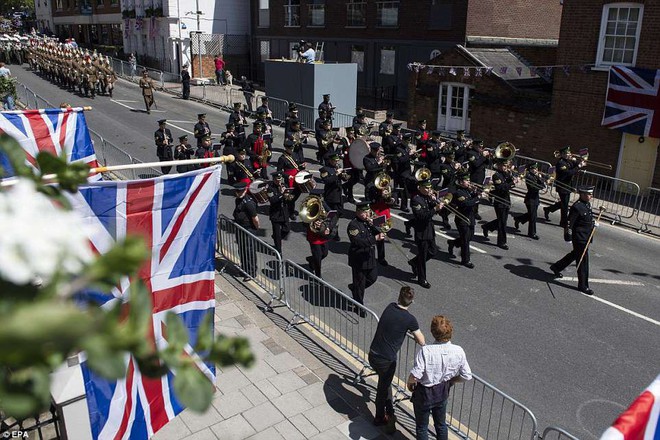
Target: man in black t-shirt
pixel 394 324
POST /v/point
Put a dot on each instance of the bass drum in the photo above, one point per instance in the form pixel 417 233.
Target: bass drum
pixel 356 152
pixel 259 191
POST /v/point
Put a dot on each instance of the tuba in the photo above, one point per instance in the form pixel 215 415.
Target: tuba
pixel 311 210
pixel 382 183
pixel 422 174
pixel 505 150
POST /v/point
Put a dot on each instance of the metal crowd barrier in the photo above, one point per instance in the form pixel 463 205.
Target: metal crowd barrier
pixel 123 69
pixel 253 257
pixel 648 212
pixel 330 312
pixel 279 108
pixel 219 95
pixel 619 197
pixel 30 99
pixel 555 433
pixel 307 116
pixel 245 98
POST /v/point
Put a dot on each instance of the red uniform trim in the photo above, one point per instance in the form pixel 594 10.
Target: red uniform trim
pixel 314 238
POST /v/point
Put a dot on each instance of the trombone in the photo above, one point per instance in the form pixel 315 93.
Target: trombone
pixel 486 189
pixel 583 158
pixel 446 200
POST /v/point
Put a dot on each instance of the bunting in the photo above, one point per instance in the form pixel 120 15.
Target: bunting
pixel 468 71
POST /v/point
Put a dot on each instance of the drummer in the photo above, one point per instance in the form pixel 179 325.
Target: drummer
pixel 290 166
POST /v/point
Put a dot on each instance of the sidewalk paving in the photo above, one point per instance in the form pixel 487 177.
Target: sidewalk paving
pixel 297 389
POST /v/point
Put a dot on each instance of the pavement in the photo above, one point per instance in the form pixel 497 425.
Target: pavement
pixel 299 387
pixel 575 361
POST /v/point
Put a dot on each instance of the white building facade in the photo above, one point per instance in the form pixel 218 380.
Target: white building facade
pixel 161 29
pixel 44 13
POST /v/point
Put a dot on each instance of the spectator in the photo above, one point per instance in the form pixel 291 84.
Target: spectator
pixel 394 324
pixel 219 70
pixel 437 367
pixel 185 82
pixel 307 54
pixel 132 62
pixel 248 92
pixel 7 88
pixel 4 71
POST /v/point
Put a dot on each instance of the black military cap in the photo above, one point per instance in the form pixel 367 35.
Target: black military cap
pixel 425 183
pixel 277 175
pixel 585 189
pixel 256 124
pixel 534 166
pixel 374 146
pixel 237 105
pixel 331 155
pixel 183 138
pixel 389 114
pixel 288 143
pixel 292 105
pixel 349 129
pixel 240 186
pixel 360 115
pixel 565 149
pixel 201 115
pixel 162 121
pixel 241 150
pixel 422 121
pixel 230 125
pixel 436 133
pixel 362 206
pixel 327 95
pixel 261 112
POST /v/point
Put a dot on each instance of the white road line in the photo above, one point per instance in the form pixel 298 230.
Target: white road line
pixel 603 281
pixel 623 309
pixel 182 122
pixel 122 100
pixel 448 237
pixel 179 128
pixel 122 104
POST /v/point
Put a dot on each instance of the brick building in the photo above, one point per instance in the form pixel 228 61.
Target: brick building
pixel 382 37
pixel 568 108
pixel 90 22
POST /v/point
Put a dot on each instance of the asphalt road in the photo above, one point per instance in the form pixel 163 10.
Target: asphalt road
pixel 575 361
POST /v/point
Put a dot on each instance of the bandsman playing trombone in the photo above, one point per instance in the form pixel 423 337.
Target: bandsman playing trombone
pixel 567 167
pixel 503 181
pixel 465 198
pixel 535 183
pixel 424 206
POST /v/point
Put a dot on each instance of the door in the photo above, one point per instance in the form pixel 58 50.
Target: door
pixel 453 107
pixel 637 161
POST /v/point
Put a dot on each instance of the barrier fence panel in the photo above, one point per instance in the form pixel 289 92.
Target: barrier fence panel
pixel 307 116
pixel 218 95
pixel 113 155
pixel 330 311
pixel 342 120
pixel 555 433
pixel 279 108
pixel 252 256
pixel 147 173
pixel 619 197
pixel 648 213
pixel 247 99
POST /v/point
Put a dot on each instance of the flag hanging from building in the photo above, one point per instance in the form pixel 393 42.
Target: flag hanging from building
pixel 641 421
pixel 176 216
pixel 53 130
pixel 633 101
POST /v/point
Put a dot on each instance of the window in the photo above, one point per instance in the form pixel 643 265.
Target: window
pixel 387 57
pixel 264 50
pixel 357 56
pixel 456 104
pixel 58 5
pixel 317 13
pixel 292 13
pixel 264 13
pixel 387 14
pixel 356 13
pixel 619 34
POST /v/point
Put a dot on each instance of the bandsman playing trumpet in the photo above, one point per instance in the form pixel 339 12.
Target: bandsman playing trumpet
pixel 230 140
pixel 503 181
pixel 201 128
pixel 385 127
pixel 237 118
pixel 355 173
pixel 185 151
pixel 361 253
pixel 535 183
pixel 278 211
pixel 465 198
pixel 478 159
pixel 163 140
pixel 567 167
pixel 424 206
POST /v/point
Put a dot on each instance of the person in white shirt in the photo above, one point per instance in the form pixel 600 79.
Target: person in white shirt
pixel 4 71
pixel 309 54
pixel 437 367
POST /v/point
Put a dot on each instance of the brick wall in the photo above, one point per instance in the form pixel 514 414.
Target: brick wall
pixel 514 18
pixel 208 67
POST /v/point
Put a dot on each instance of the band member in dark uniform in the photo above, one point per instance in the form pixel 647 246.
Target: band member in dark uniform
pixel 566 169
pixel 580 225
pixel 331 174
pixel 230 140
pixel 326 106
pixel 183 151
pixel 257 147
pixel 292 115
pixel 290 165
pixel 359 112
pixel 386 126
pixel 318 123
pixel 245 215
pixel 424 207
pixel 478 160
pixel 535 183
pixel 355 174
pixel 263 108
pixel 205 151
pixel 242 167
pixel 201 129
pixel 380 205
pixel 185 82
pixel 464 199
pixel 503 181
pixel 360 125
pixel 278 211
pixel 460 147
pixel 325 140
pixel 163 140
pixel 237 118
pixel 318 235
pixel 361 253
pixel 403 178
pixel 373 163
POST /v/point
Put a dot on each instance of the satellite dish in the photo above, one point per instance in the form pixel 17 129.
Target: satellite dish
pixel 434 53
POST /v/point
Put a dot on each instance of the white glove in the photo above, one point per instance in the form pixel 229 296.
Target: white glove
pixel 596 224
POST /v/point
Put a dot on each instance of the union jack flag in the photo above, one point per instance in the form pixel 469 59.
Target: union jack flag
pixel 176 216
pixel 54 130
pixel 633 101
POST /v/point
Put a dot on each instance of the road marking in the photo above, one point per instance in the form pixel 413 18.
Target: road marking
pixel 122 100
pixel 603 281
pixel 182 122
pixel 178 128
pixel 122 104
pixel 623 309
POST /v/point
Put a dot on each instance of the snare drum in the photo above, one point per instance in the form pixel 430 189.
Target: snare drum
pixel 259 191
pixel 304 181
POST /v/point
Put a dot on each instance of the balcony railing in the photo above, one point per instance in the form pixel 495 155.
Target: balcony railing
pixel 356 14
pixel 387 14
pixel 316 15
pixel 292 16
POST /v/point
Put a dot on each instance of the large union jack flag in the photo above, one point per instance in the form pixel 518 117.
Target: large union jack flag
pixel 176 216
pixel 633 101
pixel 53 130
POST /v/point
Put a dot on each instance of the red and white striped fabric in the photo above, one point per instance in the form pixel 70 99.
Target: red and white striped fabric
pixel 641 421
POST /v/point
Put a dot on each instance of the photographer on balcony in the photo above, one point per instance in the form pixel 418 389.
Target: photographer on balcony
pixel 306 54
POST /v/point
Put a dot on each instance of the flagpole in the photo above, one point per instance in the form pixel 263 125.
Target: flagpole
pixel 134 166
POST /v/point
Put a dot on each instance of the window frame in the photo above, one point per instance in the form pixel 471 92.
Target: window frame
pixel 290 6
pixel 603 29
pixel 385 5
pixel 311 7
pixel 380 67
pixel 350 4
